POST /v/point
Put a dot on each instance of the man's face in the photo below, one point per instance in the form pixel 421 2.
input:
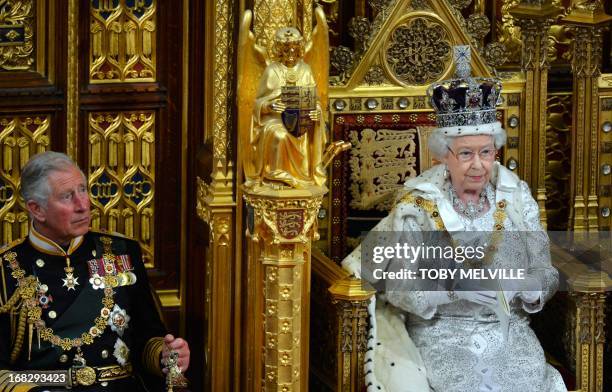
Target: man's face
pixel 67 213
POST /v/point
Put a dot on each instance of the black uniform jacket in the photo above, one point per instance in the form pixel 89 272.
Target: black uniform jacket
pixel 135 339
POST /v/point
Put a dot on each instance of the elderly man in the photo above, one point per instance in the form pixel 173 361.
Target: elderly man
pixel 75 301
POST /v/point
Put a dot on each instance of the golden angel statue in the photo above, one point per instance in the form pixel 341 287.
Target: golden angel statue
pixel 282 104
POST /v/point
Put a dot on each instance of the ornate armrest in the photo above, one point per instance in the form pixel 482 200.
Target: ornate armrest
pixel 349 321
pixel 586 342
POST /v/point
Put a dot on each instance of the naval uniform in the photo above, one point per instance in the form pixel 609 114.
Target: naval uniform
pixel 100 315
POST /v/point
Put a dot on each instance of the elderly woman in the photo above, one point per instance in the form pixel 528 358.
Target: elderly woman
pixel 458 340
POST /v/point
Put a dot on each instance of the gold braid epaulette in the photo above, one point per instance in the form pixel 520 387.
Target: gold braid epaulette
pixel 24 293
pixel 425 204
pixel 24 299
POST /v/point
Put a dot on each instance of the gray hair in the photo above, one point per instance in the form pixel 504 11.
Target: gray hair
pixel 35 175
pixel 439 143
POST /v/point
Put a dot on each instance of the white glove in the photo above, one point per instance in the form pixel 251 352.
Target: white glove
pixel 527 289
pixel 479 297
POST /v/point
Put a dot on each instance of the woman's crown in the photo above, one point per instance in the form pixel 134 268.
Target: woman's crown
pixel 465 100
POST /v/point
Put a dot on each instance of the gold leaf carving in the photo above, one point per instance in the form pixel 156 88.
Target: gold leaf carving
pixel 418 51
pixel 122 41
pixel 380 162
pixel 121 176
pixel 17 26
pixel 20 138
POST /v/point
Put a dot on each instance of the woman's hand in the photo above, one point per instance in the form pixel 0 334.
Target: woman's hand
pixel 528 289
pixel 181 347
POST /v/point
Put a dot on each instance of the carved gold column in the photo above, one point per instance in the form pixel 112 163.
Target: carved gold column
pixel 216 207
pixel 281 228
pixel 72 93
pixel 588 22
pixel 216 201
pixel 589 292
pixel 270 15
pixel 352 303
pixel 534 18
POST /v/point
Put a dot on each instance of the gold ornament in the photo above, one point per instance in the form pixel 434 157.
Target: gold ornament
pixel 86 376
pixel 282 107
pixel 27 287
pixel 419 52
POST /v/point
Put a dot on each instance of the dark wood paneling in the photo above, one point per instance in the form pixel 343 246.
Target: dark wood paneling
pixel 165 98
pixel 197 230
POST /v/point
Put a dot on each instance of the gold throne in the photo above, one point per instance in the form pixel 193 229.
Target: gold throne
pixel 381 108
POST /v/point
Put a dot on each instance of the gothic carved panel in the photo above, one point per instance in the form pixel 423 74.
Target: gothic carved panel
pixel 17 27
pixel 122 174
pixel 122 41
pixel 20 138
pixel 418 51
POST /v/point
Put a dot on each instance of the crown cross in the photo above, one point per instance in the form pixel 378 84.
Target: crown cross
pixel 463 57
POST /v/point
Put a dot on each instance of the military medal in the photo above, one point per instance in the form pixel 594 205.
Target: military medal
pixel 70 282
pixel 118 320
pixel 97 282
pixel 44 298
pixel 121 352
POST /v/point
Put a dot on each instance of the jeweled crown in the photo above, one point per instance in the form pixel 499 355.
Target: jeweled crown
pixel 465 101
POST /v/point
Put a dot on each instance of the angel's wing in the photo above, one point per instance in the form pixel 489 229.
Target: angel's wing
pixel 251 64
pixel 317 55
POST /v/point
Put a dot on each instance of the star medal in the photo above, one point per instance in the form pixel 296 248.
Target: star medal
pixel 70 282
pixel 44 299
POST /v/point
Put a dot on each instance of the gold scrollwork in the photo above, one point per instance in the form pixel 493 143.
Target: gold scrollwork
pixel 17 27
pixel 418 51
pixel 20 138
pixel 122 174
pixel 122 41
pixel 222 76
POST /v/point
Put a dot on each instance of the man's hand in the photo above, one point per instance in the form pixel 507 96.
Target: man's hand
pixel 181 347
